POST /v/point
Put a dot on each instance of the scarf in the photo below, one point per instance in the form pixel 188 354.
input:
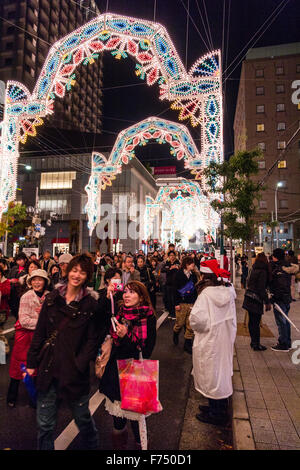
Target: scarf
pixel 136 319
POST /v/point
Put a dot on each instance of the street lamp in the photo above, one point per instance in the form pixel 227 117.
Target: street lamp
pixel 278 185
pixel 27 167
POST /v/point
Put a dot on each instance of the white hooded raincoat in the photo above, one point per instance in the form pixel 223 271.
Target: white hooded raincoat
pixel 213 319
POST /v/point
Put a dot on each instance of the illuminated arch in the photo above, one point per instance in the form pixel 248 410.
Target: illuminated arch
pixel 184 207
pixel 103 170
pixel 195 93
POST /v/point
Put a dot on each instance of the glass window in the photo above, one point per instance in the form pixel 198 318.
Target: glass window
pixel 280 126
pixel 283 203
pixel 280 107
pixel 8 61
pixel 282 164
pixel 259 72
pixel 281 144
pixel 260 108
pixel 260 90
pixel 279 70
pixel 58 180
pixel 55 203
pixel 260 127
pixel 280 88
pixel 261 164
pixel 262 204
pixel 261 146
pixel 298 68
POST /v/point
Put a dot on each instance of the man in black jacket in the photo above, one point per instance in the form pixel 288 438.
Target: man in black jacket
pixel 170 268
pixel 68 334
pixel 280 288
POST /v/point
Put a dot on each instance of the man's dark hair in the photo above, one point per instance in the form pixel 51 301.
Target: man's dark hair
pixel 278 253
pixel 35 262
pixel 291 253
pixel 86 264
pixel 21 256
pixel 141 257
pixel 170 252
pixel 110 273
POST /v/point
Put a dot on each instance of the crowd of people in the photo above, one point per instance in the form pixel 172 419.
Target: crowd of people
pixel 64 305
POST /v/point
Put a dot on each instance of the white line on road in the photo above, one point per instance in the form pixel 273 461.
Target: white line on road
pixel 65 438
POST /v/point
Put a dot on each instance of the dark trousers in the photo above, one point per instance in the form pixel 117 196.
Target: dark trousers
pixel 254 327
pixel 218 408
pixel 284 327
pixel 170 300
pixel 13 389
pixel 120 423
pixel 46 419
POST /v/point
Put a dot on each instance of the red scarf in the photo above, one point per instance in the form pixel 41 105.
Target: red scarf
pixel 136 319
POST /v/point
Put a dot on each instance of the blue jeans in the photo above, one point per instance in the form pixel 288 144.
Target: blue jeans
pixel 284 328
pixel 46 420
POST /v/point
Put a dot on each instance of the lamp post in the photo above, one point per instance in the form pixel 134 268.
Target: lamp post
pixel 278 185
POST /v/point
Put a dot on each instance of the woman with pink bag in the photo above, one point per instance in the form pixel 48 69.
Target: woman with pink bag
pixel 135 333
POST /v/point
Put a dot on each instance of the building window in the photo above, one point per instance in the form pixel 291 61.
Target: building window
pixel 8 61
pixel 280 88
pixel 280 126
pixel 262 165
pixel 298 68
pixel 261 146
pixel 281 144
pixel 262 204
pixel 9 46
pixel 260 108
pixel 282 164
pixel 260 127
pixel 10 30
pixel 11 15
pixel 55 203
pixel 283 204
pixel 259 73
pixel 279 70
pixel 59 180
pixel 280 107
pixel 260 90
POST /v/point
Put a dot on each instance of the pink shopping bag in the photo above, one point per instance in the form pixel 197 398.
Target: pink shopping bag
pixel 139 385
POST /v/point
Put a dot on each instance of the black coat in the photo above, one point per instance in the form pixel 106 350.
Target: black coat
pixel 180 281
pixel 109 384
pixel 75 346
pixel 170 273
pixel 258 282
pixel 280 286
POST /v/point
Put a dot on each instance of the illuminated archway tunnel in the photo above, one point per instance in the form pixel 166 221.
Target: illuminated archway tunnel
pixel 196 93
pixel 104 171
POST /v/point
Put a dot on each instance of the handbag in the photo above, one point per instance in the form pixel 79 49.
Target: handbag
pixel 139 385
pixel 253 296
pixel 49 344
pixel 187 289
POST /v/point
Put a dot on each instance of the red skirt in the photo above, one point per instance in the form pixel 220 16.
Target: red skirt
pixel 23 338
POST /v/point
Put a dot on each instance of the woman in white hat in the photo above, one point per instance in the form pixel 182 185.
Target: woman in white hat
pixel 30 306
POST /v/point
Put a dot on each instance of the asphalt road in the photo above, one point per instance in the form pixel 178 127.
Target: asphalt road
pixel 18 425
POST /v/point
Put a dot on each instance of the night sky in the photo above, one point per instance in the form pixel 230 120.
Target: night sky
pixel 229 24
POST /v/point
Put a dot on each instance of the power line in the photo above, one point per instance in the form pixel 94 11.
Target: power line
pixel 196 27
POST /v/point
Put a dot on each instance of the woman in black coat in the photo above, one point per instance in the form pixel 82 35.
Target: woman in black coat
pixel 255 298
pixel 135 333
pixel 66 339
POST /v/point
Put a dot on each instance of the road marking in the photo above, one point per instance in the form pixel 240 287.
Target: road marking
pixel 68 435
pixel 161 319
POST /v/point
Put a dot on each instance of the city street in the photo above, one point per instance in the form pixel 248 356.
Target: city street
pixel 174 428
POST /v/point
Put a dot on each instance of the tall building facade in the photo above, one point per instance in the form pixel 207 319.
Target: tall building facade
pixel 28 29
pixel 266 118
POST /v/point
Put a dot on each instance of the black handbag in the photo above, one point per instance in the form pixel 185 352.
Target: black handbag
pixel 253 296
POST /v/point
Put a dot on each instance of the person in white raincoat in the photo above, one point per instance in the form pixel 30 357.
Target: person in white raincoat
pixel 213 320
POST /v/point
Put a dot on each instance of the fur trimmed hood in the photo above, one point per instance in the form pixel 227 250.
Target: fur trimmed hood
pixel 293 269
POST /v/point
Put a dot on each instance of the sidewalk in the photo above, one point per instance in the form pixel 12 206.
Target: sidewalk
pixel 266 400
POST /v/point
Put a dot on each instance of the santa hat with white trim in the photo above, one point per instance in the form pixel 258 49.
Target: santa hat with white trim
pixel 210 266
pixel 225 275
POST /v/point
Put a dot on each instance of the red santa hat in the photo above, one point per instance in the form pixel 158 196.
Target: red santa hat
pixel 225 275
pixel 210 266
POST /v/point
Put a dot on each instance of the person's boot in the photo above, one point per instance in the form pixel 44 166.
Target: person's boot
pixel 175 338
pixel 188 346
pixel 119 439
